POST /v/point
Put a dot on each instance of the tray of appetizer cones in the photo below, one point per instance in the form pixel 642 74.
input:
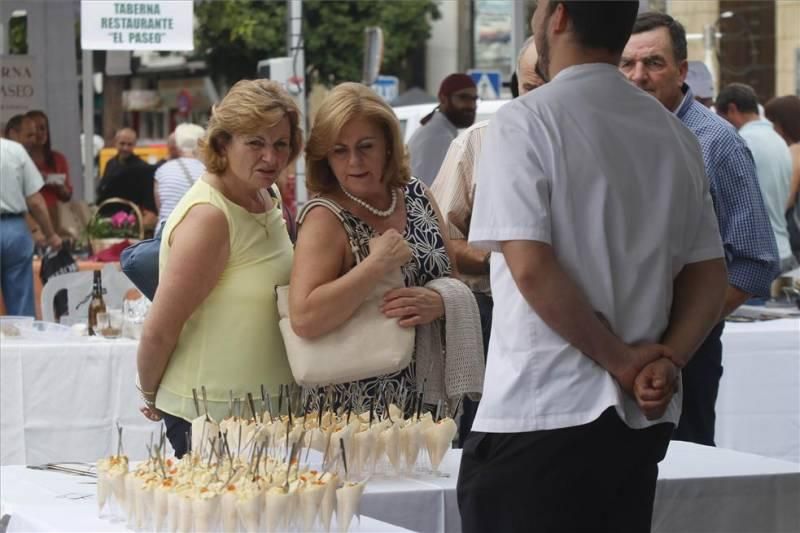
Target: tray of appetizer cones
pixel 265 469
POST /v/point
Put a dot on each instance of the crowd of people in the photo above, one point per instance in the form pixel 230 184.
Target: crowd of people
pixel 605 222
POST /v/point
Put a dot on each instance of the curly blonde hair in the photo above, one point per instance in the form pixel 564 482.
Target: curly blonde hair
pixel 249 106
pixel 346 102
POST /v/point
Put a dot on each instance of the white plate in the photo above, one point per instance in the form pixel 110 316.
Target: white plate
pixel 56 179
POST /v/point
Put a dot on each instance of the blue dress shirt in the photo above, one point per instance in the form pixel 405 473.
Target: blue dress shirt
pixel 751 252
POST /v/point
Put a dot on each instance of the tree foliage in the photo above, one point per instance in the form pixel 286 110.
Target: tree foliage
pixel 232 35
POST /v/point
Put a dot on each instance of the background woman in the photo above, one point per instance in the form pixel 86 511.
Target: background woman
pixel 214 320
pixel 50 161
pixel 355 157
pixel 784 113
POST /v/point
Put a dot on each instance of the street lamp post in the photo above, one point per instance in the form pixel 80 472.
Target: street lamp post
pixel 297 86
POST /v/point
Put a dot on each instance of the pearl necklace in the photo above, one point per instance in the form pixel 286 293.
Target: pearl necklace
pixel 374 210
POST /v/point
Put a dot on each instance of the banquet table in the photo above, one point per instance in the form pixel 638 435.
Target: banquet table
pixel 758 407
pixel 50 501
pixel 700 489
pixel 62 398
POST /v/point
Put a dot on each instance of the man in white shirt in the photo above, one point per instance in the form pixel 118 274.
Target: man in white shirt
pixel 20 182
pixel 593 199
pixel 458 98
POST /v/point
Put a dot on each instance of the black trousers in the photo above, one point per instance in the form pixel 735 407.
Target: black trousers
pixel 596 477
pixel 700 387
pixel 485 306
pixel 179 433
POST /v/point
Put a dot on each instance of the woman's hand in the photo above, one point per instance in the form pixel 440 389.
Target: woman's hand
pixel 390 249
pixel 149 398
pixel 151 413
pixel 413 306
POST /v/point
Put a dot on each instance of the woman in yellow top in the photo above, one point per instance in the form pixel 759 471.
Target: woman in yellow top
pixel 214 320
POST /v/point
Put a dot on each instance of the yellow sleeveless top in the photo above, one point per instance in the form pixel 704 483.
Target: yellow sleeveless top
pixel 232 340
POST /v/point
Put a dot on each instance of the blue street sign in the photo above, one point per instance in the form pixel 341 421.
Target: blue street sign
pixel 387 87
pixel 488 82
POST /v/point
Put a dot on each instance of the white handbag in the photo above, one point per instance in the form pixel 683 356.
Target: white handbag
pixel 366 346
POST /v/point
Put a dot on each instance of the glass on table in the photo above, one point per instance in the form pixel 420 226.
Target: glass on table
pixel 109 323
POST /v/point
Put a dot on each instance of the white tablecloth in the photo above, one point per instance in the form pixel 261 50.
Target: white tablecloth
pixel 700 489
pixel 758 408
pixel 61 400
pixel 50 501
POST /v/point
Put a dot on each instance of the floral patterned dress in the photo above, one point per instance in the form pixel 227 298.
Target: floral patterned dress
pixel 429 261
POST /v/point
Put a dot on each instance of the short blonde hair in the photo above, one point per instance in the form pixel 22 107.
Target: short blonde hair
pixel 249 106
pixel 346 102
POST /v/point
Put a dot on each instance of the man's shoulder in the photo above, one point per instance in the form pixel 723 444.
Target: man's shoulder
pixel 422 131
pixel 471 135
pixel 12 148
pixel 716 137
pixel 702 121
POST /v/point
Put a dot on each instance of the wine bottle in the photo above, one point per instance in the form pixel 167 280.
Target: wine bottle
pixel 96 304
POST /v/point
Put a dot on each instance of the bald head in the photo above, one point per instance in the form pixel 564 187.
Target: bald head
pixel 527 79
pixel 124 142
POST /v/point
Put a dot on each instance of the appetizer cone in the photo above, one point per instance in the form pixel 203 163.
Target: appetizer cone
pixel 348 499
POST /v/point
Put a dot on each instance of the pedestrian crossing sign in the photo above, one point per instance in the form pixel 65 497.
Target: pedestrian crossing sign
pixel 488 82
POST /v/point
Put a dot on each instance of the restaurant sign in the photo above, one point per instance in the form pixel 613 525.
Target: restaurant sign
pixel 140 25
pixel 20 89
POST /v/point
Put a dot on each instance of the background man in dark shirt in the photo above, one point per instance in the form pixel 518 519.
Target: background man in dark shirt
pixel 129 177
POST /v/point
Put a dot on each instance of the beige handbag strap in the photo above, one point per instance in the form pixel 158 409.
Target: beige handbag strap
pixel 336 209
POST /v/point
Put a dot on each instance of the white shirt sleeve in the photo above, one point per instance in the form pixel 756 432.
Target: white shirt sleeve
pixel 512 195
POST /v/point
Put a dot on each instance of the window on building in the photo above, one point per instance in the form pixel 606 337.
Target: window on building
pixel 18 33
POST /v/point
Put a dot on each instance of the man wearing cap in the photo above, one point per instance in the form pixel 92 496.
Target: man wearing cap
pixel 428 145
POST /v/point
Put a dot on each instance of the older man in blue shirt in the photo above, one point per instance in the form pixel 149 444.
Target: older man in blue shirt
pixel 655 60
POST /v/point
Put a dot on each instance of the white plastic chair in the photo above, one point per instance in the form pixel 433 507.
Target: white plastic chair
pixel 79 286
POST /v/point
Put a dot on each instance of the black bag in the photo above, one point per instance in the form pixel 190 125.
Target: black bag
pixel 55 264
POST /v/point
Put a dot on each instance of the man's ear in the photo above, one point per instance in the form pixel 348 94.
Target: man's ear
pixel 444 102
pixel 559 19
pixel 683 71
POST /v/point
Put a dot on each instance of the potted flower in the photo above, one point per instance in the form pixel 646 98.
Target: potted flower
pixel 106 231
